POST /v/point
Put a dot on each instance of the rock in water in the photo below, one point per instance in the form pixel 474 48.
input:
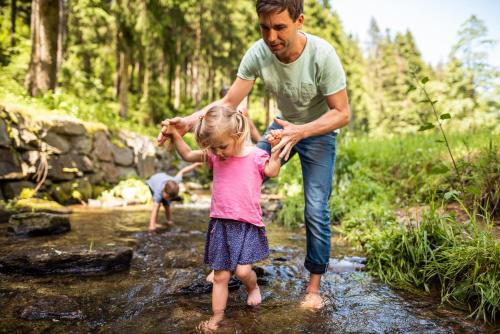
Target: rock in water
pixel 46 262
pixel 38 223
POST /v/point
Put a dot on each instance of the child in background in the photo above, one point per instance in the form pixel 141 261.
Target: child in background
pixel 236 235
pixel 165 189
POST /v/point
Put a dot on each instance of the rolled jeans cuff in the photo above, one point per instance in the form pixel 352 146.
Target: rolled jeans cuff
pixel 315 268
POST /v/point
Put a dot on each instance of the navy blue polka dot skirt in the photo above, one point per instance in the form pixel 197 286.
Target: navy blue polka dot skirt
pixel 230 242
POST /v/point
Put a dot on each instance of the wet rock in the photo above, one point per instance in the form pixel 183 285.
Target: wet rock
pixel 182 258
pixel 51 307
pixel 127 173
pixel 36 224
pixel 347 264
pixel 70 261
pixel 41 205
pixel 5 214
pixel 146 166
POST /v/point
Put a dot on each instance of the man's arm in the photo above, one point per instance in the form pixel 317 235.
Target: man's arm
pixel 154 215
pixel 338 116
pixel 239 89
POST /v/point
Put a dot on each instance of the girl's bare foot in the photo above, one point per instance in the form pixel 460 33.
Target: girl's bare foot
pixel 210 277
pixel 254 298
pixel 210 326
pixel 312 300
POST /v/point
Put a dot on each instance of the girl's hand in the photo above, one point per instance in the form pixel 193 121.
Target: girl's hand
pixel 274 137
pixel 169 125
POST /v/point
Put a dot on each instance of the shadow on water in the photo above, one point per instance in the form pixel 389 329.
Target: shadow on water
pixel 165 290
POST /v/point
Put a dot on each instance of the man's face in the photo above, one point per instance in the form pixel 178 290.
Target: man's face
pixel 280 32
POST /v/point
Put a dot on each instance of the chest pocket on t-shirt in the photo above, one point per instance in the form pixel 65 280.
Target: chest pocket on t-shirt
pixel 307 92
pixel 290 91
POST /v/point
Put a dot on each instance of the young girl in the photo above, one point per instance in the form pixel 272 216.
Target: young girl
pixel 236 235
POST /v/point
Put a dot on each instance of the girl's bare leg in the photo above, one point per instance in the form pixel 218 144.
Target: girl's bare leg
pixel 246 275
pixel 210 277
pixel 220 293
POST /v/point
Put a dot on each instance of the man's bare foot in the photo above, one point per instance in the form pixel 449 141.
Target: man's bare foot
pixel 210 277
pixel 312 300
pixel 254 298
pixel 210 326
pixel 170 223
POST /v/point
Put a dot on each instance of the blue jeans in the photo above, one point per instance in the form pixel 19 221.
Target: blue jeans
pixel 317 157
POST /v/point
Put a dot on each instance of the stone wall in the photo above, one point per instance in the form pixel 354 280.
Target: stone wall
pixel 81 157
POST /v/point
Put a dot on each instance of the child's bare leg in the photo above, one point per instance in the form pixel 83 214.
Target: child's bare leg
pixel 210 277
pixel 220 293
pixel 246 275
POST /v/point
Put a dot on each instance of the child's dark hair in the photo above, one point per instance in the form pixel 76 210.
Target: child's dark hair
pixel 172 190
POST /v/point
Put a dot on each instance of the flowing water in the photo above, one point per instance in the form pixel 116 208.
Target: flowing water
pixel 165 292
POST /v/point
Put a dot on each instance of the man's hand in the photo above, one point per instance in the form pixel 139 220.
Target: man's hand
pixel 290 136
pixel 179 123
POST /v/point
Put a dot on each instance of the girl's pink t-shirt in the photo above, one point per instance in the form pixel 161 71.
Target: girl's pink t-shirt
pixel 236 186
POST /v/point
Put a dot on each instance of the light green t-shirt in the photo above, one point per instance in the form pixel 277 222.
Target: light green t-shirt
pixel 301 86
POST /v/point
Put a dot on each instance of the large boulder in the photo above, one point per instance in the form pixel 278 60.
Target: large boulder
pixel 36 224
pixel 123 156
pixel 57 142
pixel 81 144
pixel 102 147
pixel 10 165
pixel 67 127
pixel 4 136
pixel 13 189
pixel 66 261
pixel 40 205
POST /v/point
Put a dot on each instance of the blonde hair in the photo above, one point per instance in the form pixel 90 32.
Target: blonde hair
pixel 221 122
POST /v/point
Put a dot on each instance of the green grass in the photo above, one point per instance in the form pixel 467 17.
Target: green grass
pixel 376 177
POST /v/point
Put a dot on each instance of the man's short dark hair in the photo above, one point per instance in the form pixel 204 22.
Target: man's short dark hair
pixel 268 7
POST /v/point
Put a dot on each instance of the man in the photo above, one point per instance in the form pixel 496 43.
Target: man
pixel 304 73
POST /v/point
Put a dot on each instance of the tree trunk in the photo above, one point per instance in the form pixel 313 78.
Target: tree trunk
pixel 41 76
pixel 13 14
pixel 123 83
pixel 61 35
pixel 177 80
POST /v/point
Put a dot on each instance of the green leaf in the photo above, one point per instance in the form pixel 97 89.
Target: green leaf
pixel 411 88
pixel 440 141
pixel 424 80
pixel 434 102
pixel 474 190
pixel 445 116
pixel 425 126
pixel 424 101
pixel 439 169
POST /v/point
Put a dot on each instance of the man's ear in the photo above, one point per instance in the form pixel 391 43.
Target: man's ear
pixel 300 21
